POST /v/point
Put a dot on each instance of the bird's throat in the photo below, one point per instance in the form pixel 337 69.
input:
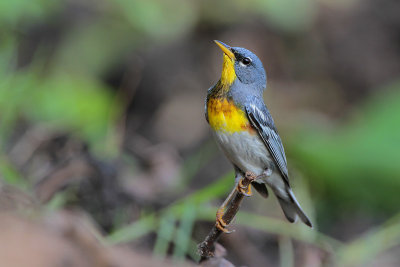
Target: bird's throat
pixel 228 74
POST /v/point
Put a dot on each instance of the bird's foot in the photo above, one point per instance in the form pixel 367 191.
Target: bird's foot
pixel 220 223
pixel 246 189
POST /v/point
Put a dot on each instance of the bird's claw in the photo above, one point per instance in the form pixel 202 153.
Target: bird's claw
pixel 245 190
pixel 221 224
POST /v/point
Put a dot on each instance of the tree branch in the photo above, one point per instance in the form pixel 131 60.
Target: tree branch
pixel 206 249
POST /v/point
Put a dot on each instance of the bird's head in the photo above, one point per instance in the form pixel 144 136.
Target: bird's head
pixel 240 63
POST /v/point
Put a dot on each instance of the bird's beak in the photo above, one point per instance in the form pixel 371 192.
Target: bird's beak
pixel 226 49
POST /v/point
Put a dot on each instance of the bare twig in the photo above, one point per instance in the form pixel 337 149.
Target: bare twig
pixel 206 249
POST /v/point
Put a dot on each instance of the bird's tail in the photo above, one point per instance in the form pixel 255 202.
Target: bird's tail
pixel 291 208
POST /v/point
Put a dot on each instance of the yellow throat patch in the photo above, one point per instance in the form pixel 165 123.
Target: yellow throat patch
pixel 228 74
pixel 223 115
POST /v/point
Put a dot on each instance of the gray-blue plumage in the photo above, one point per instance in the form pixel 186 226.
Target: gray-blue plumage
pixel 247 92
pixel 262 154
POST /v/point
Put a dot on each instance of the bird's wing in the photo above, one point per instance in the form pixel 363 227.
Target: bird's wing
pixel 261 119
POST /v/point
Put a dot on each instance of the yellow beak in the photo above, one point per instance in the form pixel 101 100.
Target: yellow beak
pixel 226 49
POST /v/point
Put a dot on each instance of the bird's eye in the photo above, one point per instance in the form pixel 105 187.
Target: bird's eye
pixel 246 61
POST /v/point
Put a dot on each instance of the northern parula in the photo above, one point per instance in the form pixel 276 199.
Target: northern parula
pixel 245 131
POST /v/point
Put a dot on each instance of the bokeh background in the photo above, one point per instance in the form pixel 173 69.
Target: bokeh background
pixel 106 158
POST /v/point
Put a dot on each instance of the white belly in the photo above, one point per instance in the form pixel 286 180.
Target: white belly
pixel 247 151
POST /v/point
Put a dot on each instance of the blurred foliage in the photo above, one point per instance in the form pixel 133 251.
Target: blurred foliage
pixel 356 166
pixel 13 12
pixel 167 224
pixel 83 106
pixel 57 61
pixel 288 15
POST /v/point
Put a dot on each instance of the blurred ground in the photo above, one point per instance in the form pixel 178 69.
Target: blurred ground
pixel 63 239
pixel 102 124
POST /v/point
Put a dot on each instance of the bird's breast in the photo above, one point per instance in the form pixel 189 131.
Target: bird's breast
pixel 223 115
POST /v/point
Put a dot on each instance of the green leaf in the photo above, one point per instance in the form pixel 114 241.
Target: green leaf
pixel 165 234
pixel 10 174
pixel 184 232
pixel 133 231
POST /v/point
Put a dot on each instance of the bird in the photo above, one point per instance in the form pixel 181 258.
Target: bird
pixel 245 131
